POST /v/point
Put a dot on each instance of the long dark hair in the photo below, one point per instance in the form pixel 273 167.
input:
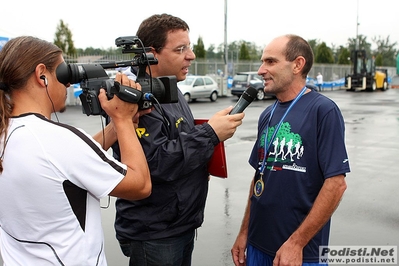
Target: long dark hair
pixel 18 60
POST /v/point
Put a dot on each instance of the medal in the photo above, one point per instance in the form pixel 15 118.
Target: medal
pixel 259 186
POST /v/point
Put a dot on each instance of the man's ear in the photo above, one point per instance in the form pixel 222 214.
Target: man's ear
pixel 155 51
pixel 299 63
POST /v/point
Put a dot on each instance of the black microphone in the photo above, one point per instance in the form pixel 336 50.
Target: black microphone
pixel 246 98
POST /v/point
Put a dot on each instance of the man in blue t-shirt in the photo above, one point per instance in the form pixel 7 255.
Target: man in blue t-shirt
pixel 300 163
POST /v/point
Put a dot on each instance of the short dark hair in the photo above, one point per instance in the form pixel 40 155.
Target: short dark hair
pixel 154 30
pixel 297 46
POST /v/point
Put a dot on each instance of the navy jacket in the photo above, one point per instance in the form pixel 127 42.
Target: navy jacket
pixel 177 155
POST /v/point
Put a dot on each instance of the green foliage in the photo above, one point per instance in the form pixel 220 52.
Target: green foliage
pixel 360 43
pixel 199 48
pixel 385 52
pixel 63 39
pixel 324 54
pixel 344 56
pixel 210 52
pixel 242 50
pixel 244 53
pixel 313 44
pixel 378 60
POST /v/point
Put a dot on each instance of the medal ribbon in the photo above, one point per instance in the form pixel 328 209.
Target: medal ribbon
pixel 268 144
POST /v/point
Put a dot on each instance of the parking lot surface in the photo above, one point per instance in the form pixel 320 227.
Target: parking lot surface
pixel 368 213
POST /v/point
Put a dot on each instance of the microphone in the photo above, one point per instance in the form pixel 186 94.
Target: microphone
pixel 246 98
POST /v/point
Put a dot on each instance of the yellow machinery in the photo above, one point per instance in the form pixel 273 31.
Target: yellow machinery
pixel 364 75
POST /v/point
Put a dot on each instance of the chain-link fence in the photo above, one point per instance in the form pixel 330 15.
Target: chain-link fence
pixel 217 68
pixel 330 72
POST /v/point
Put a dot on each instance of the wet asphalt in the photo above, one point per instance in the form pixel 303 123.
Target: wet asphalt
pixel 368 213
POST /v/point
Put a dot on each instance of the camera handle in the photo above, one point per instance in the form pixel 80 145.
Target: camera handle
pixel 125 93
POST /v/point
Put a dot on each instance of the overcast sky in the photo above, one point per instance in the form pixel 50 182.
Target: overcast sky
pixel 98 23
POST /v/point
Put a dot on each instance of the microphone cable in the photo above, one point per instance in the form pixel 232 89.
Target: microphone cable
pixel 158 107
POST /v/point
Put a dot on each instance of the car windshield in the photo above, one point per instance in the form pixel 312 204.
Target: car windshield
pixel 187 81
pixel 239 77
pixel 257 77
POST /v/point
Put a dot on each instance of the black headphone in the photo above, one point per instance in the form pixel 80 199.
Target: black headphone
pixel 43 77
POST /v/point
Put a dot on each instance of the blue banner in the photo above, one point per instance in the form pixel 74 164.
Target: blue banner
pixel 328 84
pixel 3 41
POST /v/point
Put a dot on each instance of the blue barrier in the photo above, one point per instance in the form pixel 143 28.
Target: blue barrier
pixel 77 90
pixel 328 84
pixel 334 83
pixel 3 41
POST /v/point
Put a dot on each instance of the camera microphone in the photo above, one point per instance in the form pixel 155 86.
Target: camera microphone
pixel 246 98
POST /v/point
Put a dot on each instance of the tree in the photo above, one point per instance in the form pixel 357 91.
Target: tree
pixel 234 51
pixel 210 52
pixel 324 54
pixel 255 52
pixel 199 48
pixel 244 54
pixel 93 51
pixel 343 56
pixel 385 53
pixel 220 51
pixel 378 60
pixel 359 44
pixel 313 43
pixel 63 39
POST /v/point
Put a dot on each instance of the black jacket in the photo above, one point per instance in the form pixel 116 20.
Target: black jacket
pixel 177 155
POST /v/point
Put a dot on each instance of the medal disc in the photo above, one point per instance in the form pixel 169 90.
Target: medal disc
pixel 259 186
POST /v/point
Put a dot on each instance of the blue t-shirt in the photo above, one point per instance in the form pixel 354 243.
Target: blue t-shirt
pixel 308 148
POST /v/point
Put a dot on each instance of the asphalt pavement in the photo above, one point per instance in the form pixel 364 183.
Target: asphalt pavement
pixel 369 211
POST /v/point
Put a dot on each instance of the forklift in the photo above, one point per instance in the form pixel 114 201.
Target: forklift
pixel 365 76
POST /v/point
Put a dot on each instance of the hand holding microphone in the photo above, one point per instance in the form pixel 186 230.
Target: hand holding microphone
pixel 246 98
pixel 225 122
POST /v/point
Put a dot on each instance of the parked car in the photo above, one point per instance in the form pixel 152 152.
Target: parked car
pixel 194 87
pixel 312 86
pixel 242 80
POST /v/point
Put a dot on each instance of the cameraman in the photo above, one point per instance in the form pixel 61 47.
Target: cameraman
pixel 52 175
pixel 160 229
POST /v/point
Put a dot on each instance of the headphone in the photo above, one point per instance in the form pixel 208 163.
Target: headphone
pixel 43 77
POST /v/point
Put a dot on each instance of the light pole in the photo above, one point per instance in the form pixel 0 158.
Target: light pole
pixel 226 52
pixel 357 27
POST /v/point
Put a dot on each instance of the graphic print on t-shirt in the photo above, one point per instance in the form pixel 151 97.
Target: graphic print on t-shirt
pixel 285 150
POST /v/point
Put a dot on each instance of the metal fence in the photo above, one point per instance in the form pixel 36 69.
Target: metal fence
pixel 217 68
pixel 330 72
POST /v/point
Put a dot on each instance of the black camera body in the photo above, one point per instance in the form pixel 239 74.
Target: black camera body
pixel 93 77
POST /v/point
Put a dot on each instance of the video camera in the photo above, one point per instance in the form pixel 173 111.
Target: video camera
pixel 93 77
